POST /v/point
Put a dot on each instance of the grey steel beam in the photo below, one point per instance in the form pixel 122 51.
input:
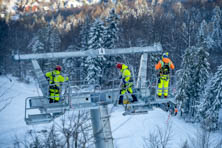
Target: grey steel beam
pixel 43 84
pixel 154 48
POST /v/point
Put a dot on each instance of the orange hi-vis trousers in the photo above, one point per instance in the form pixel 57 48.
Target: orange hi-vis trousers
pixel 163 85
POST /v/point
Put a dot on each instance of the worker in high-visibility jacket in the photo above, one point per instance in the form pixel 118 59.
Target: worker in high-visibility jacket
pixel 55 80
pixel 164 67
pixel 127 83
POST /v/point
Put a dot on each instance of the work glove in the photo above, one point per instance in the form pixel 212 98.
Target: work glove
pixel 124 82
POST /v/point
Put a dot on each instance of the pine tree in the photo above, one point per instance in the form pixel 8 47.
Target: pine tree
pixel 201 76
pixel 54 40
pixel 96 35
pixel 203 36
pixel 36 45
pixel 111 31
pixel 84 34
pixel 212 102
pixel 44 34
pixel 216 33
pixel 111 37
pixel 49 36
pixel 192 80
pixel 94 65
pixel 184 80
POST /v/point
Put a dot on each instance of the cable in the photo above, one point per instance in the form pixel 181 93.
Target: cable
pixel 122 124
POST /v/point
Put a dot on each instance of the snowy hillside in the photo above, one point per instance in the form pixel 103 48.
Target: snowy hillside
pixel 128 131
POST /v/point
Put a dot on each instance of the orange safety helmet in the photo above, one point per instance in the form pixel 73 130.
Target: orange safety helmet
pixel 58 67
pixel 119 66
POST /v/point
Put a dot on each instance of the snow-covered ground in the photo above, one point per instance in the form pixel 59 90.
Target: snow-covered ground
pixel 128 131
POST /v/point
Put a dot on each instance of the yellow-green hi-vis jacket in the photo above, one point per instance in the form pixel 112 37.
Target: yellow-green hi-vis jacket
pixel 126 75
pixel 55 77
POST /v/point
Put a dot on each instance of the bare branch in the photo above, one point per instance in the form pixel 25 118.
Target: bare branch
pixel 160 138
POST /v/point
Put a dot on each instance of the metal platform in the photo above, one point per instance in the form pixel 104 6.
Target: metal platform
pixel 163 100
pixel 38 118
pixel 136 112
pixel 43 104
pixel 39 110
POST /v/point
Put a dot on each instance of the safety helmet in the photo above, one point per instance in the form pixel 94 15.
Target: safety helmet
pixel 165 55
pixel 119 66
pixel 58 67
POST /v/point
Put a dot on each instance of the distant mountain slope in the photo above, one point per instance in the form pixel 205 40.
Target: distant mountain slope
pixel 15 6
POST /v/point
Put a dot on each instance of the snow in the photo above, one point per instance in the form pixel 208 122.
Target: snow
pixel 134 129
pixel 128 131
pixel 12 118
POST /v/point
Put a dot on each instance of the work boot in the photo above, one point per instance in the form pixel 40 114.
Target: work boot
pixel 134 98
pixel 120 100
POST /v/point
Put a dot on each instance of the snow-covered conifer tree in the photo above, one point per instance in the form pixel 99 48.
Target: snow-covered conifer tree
pixel 36 45
pixel 49 36
pixel 216 33
pixel 84 34
pixel 96 35
pixel 54 40
pixel 111 31
pixel 184 79
pixel 200 79
pixel 111 38
pixel 94 65
pixel 212 101
pixel 192 80
pixel 203 37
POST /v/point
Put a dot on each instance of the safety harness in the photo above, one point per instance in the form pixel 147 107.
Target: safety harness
pixel 165 68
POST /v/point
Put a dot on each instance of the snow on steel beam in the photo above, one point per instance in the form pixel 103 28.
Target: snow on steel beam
pixel 43 84
pixel 155 48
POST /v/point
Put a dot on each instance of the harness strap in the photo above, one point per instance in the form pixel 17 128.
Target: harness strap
pixel 163 63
